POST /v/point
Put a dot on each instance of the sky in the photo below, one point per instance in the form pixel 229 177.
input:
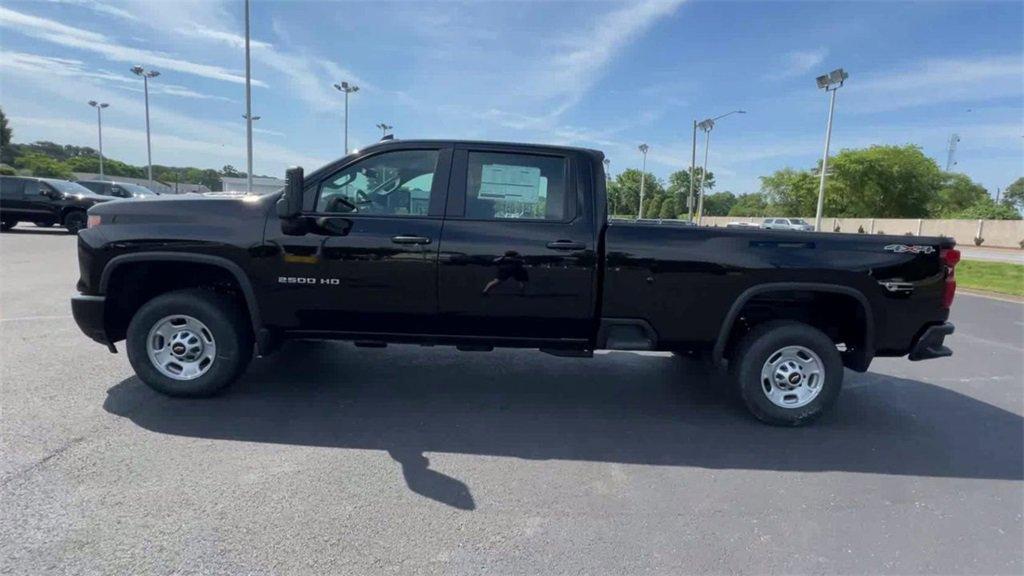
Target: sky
pixel 605 75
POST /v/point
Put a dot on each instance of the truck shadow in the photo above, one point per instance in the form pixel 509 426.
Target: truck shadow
pixel 621 408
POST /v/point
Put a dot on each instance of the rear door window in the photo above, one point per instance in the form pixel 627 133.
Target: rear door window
pixel 510 186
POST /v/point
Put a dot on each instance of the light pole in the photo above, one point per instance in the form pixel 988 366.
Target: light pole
pixel 707 126
pixel 347 89
pixel 146 75
pixel 693 168
pixel 643 177
pixel 830 83
pixel 248 107
pixel 99 106
pixel 384 129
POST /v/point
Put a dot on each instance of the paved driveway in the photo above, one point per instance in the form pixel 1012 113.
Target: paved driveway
pixel 326 458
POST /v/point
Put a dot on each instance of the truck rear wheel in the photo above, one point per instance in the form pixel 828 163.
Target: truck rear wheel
pixel 788 373
pixel 189 343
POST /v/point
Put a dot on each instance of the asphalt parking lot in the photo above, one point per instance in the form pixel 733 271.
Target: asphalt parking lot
pixel 326 458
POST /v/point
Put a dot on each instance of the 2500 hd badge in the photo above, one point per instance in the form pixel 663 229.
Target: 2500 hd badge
pixel 307 281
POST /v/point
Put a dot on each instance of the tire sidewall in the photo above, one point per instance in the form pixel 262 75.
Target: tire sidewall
pixel 75 221
pixel 765 341
pixel 214 311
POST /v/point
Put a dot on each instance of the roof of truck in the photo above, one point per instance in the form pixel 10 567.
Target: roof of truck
pixel 393 142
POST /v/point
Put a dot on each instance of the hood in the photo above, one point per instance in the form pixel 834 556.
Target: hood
pixel 184 209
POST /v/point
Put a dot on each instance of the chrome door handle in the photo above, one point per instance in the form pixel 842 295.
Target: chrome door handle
pixel 410 240
pixel 566 245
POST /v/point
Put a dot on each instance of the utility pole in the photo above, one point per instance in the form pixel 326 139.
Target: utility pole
pixel 99 106
pixel 248 106
pixel 693 168
pixel 347 89
pixel 706 126
pixel 146 75
pixel 830 82
pixel 643 177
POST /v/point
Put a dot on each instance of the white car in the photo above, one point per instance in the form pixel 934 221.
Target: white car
pixel 786 224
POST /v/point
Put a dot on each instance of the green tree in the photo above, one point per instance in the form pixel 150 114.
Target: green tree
pixel 881 182
pixel 624 192
pixel 6 133
pixel 719 203
pixel 790 192
pixel 1014 194
pixel 43 166
pixel 987 209
pixel 5 130
pixel 652 206
pixel 750 205
pixel 956 194
pixel 668 208
pixel 231 172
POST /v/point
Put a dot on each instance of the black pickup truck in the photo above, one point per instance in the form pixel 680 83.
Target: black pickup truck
pixel 482 245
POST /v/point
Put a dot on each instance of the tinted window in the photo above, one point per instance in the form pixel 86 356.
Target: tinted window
pixel 68 187
pixel 515 186
pixel 94 186
pixel 11 188
pixel 394 183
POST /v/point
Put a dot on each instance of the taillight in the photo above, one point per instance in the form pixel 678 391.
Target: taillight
pixel 950 257
pixel 92 221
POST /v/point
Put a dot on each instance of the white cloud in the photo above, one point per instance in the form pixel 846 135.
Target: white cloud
pixel 71 37
pixel 799 62
pixel 936 81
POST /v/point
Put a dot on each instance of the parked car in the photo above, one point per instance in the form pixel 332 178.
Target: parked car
pixel 45 201
pixel 786 224
pixel 482 245
pixel 117 189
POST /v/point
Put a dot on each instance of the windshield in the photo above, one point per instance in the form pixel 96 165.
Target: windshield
pixel 797 221
pixel 137 190
pixel 69 187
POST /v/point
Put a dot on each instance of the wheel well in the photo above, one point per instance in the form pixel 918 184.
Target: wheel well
pixel 842 317
pixel 132 284
pixel 68 210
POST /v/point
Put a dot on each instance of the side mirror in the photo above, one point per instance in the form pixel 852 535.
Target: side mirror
pixel 289 206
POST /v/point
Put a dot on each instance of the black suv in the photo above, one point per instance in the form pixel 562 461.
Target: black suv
pixel 117 189
pixel 45 201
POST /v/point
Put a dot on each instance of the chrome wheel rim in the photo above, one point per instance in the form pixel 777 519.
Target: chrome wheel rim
pixel 792 377
pixel 181 347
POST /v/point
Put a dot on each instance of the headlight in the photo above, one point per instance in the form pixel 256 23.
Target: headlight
pixel 93 221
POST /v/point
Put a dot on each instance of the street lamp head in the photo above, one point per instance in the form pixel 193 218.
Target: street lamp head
pixel 93 103
pixel 644 148
pixel 838 76
pixel 347 88
pixel 706 125
pixel 138 70
pixel 152 73
pixel 822 81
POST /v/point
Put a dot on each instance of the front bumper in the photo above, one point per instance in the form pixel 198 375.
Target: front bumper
pixel 89 313
pixel 929 344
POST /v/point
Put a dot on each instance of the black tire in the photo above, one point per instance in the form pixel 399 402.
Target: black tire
pixel 225 318
pixel 44 224
pixel 6 225
pixel 762 343
pixel 75 221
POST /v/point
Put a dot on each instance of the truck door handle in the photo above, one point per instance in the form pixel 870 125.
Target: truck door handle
pixel 410 240
pixel 566 245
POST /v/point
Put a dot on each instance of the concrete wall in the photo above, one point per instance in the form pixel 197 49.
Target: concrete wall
pixel 997 233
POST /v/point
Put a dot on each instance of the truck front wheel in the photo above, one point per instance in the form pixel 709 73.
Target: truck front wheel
pixel 788 373
pixel 190 342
